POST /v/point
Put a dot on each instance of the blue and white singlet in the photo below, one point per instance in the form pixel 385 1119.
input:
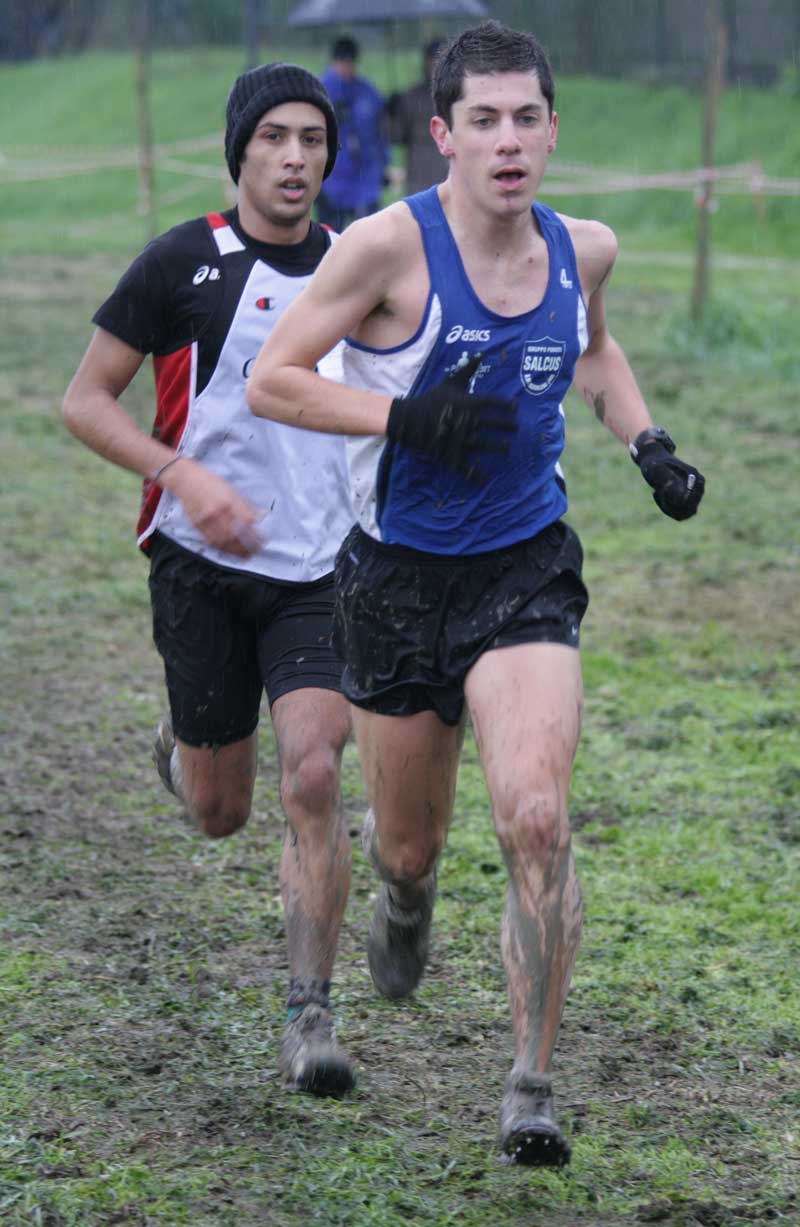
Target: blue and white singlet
pixel 400 496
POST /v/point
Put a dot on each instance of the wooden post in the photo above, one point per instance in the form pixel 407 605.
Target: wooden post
pixel 716 44
pixel 252 34
pixel 146 204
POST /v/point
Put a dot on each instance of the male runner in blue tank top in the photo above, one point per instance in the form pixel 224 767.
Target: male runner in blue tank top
pixel 242 521
pixel 468 311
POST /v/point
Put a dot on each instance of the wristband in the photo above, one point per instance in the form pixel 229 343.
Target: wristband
pixel 164 467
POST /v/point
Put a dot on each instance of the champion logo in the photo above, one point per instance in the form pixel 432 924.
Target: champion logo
pixel 566 282
pixel 459 333
pixel 205 271
pixel 265 304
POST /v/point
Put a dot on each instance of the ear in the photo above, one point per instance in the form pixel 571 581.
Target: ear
pixel 553 134
pixel 441 135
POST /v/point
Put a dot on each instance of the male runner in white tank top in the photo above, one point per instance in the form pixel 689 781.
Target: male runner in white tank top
pixel 450 591
pixel 242 521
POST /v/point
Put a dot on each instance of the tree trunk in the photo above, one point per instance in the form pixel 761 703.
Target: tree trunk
pixel 716 43
pixel 146 206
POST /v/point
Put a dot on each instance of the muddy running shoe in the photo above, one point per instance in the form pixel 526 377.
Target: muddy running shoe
pixel 399 940
pixel 163 746
pixel 528 1131
pixel 310 1059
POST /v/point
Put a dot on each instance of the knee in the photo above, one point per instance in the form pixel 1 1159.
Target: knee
pixel 217 818
pixel 535 829
pixel 310 784
pixel 400 861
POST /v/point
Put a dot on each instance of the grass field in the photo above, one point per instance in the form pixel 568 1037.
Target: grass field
pixel 142 972
pixel 66 110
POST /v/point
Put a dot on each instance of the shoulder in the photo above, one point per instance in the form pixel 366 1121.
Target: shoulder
pixel 369 89
pixel 595 247
pixel 332 81
pixel 391 235
pixel 590 238
pixel 373 255
pixel 177 251
pixel 185 237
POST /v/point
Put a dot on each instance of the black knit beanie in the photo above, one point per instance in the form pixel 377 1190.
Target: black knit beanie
pixel 260 90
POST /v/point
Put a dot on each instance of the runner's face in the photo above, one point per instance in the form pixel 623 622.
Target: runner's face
pixel 500 138
pixel 281 171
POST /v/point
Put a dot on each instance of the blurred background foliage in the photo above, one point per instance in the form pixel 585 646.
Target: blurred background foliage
pixel 645 39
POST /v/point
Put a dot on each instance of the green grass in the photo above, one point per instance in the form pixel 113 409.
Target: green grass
pixel 143 970
pixel 55 107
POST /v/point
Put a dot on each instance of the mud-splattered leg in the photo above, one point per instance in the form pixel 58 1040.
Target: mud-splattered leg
pixel 410 765
pixel 311 728
pixel 525 703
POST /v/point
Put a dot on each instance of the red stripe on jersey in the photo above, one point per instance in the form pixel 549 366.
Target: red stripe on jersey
pixel 173 377
pixel 216 221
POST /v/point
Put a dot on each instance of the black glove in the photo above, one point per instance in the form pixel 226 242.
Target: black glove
pixel 448 423
pixel 677 487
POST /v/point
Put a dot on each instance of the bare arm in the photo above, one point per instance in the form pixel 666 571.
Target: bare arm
pixel 352 280
pixel 608 385
pixel 603 374
pixel 94 415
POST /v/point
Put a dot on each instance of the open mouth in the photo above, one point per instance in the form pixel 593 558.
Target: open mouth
pixel 510 178
pixel 293 187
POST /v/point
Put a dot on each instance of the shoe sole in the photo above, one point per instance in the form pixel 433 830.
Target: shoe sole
pixel 326 1078
pixel 534 1147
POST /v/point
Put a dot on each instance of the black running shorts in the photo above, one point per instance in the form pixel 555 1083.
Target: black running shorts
pixel 409 625
pixel 225 635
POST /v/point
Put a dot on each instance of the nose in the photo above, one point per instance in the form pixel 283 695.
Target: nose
pixel 294 154
pixel 507 137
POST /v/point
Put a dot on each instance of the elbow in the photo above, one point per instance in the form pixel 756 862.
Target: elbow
pixel 70 412
pixel 257 396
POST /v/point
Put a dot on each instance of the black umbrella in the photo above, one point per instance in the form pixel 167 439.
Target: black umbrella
pixel 330 12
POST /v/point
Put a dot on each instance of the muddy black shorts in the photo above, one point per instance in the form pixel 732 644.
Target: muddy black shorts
pixel 410 625
pixel 225 635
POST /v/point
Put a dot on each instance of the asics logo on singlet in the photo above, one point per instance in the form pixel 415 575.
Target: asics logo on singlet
pixel 566 282
pixel 459 333
pixel 203 272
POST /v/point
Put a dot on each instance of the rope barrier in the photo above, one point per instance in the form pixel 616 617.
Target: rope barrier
pixel 570 178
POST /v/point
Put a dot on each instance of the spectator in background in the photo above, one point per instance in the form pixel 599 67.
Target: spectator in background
pixel 410 126
pixel 354 187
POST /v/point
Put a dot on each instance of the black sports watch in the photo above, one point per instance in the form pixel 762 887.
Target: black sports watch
pixel 653 434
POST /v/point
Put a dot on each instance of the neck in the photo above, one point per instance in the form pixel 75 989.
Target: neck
pixel 265 230
pixel 473 227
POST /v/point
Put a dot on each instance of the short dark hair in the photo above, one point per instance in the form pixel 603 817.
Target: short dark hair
pixel 345 48
pixel 487 49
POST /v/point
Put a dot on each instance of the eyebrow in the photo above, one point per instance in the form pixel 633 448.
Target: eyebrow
pixel 484 108
pixel 267 123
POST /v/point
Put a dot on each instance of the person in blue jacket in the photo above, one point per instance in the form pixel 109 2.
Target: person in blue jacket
pixel 468 310
pixel 353 189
